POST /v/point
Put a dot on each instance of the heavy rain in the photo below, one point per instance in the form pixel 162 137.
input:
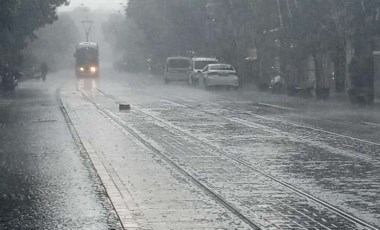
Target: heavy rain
pixel 190 114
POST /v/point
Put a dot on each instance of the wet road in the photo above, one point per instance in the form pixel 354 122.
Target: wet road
pixel 47 181
pixel 282 163
pixel 186 158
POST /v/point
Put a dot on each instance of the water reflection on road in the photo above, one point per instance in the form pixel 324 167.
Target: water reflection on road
pixel 88 85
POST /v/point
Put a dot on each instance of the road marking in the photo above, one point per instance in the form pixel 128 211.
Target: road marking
pixel 186 99
pixel 273 130
pixel 174 103
pixel 285 184
pixel 277 106
pixel 337 134
pixel 276 131
pixel 371 123
pixel 237 102
pixel 130 131
pixel 302 126
pixel 184 105
pixel 311 128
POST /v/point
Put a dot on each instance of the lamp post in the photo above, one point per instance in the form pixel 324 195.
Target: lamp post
pixel 280 14
pixel 211 8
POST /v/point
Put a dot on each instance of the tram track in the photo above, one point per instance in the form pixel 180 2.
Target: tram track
pixel 167 159
pixel 295 112
pixel 347 216
pixel 272 128
pixel 269 119
pixel 303 126
pixel 290 110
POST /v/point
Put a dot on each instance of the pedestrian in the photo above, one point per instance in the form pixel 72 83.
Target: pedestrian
pixel 44 70
pixel 8 82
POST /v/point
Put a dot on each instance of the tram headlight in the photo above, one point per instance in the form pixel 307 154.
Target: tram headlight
pixel 93 69
pixel 81 69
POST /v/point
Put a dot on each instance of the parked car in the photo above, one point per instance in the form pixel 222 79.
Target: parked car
pixel 176 69
pixel 219 75
pixel 197 64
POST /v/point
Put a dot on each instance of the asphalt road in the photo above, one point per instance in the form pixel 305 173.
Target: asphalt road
pixel 186 158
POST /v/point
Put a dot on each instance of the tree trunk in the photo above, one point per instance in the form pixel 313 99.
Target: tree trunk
pixel 340 70
pixel 322 91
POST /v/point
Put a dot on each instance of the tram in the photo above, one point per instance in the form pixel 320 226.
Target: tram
pixel 87 60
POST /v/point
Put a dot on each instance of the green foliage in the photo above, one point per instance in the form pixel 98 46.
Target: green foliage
pixel 287 30
pixel 170 26
pixel 19 20
pixel 53 46
pixel 127 41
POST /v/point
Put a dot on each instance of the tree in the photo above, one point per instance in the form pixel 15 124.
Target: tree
pixel 127 41
pixel 287 32
pixel 327 29
pixel 364 35
pixel 19 20
pixel 52 46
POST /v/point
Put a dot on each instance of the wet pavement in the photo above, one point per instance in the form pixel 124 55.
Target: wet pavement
pixel 187 158
pixel 326 149
pixel 47 181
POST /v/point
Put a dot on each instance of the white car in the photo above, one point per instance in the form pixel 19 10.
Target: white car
pixel 197 64
pixel 219 75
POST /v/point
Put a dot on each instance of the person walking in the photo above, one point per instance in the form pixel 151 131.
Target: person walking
pixel 7 78
pixel 44 70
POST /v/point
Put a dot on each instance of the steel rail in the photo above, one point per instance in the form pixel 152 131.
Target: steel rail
pixel 331 207
pixel 208 191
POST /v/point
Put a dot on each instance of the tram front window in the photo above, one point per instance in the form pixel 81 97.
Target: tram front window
pixel 87 61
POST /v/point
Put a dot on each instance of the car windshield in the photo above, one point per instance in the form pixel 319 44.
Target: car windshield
pixel 199 65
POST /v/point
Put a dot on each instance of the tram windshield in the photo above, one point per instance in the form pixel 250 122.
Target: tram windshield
pixel 87 56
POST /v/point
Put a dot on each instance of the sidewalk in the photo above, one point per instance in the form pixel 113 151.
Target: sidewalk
pixel 46 181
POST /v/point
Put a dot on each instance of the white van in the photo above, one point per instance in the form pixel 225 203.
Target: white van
pixel 197 65
pixel 176 69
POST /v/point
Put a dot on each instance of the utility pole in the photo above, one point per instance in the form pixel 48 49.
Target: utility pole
pixel 280 14
pixel 290 15
pixel 254 4
pixel 281 43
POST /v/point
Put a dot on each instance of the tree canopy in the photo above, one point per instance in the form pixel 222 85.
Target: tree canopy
pixel 19 20
pixel 284 31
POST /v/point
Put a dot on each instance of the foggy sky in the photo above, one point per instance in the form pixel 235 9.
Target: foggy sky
pixel 109 5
